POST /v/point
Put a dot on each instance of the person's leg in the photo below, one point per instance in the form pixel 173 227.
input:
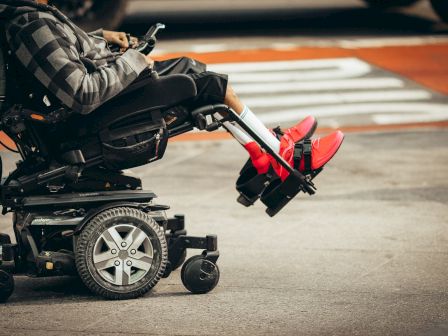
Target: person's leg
pixel 232 100
pixel 213 88
pixel 322 149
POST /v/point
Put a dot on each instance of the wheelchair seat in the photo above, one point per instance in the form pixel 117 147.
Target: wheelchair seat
pixel 119 134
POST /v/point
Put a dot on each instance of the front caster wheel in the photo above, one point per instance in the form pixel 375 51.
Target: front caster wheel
pixel 199 275
pixel 121 253
pixel 6 285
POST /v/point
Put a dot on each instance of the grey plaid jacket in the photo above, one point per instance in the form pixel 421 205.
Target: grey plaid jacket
pixel 78 68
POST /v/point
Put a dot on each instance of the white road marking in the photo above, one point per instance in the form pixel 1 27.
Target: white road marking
pixel 391 42
pixel 336 98
pixel 349 66
pixel 439 110
pixel 344 84
pixel 285 43
pixel 285 91
pixel 387 119
pixel 295 70
pixel 203 48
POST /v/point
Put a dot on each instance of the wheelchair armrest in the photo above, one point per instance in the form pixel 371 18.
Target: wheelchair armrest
pixel 200 116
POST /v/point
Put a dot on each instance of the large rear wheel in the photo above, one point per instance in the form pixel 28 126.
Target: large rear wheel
pixel 121 253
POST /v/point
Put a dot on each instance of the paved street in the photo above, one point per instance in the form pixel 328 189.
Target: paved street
pixel 367 255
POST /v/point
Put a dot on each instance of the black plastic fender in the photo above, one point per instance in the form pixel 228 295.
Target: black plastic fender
pixel 93 212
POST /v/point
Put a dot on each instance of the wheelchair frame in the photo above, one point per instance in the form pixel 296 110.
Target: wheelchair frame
pixel 49 227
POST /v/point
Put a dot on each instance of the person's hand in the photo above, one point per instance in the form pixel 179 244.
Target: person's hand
pixel 149 60
pixel 133 42
pixel 118 38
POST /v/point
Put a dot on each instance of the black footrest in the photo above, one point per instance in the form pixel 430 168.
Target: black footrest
pixel 271 190
pixel 277 194
pixel 250 184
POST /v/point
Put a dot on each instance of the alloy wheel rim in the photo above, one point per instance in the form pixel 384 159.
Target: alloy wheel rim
pixel 123 254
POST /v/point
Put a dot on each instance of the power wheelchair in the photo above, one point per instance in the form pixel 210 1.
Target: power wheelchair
pixel 75 212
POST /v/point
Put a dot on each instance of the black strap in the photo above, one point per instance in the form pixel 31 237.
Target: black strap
pixel 302 150
pixel 278 132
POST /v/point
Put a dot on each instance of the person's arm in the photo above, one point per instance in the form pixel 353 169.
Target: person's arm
pixel 45 50
pixel 98 32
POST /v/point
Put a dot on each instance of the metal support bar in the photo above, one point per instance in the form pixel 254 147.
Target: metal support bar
pixel 176 223
pixel 209 243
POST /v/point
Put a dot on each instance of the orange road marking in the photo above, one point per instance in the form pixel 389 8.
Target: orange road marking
pixel 426 64
pixel 220 135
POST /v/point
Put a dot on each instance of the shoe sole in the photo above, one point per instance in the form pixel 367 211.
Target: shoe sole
pixel 311 131
pixel 331 157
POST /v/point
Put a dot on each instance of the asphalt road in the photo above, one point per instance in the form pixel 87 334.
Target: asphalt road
pixel 368 255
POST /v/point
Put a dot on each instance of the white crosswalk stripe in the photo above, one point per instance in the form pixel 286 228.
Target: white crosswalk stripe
pixel 344 84
pixel 341 91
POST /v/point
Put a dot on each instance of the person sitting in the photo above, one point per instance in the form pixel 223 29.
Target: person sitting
pixel 82 72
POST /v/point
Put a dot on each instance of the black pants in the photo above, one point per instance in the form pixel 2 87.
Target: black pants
pixel 211 89
pixel 211 86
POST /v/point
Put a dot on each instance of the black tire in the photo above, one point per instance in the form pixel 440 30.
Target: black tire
pixel 103 13
pixel 199 275
pixel 441 8
pixel 383 4
pixel 6 286
pixel 87 245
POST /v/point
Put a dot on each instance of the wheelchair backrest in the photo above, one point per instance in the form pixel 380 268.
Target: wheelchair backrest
pixel 3 69
pixel 2 82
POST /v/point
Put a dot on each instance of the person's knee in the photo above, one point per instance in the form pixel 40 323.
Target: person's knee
pixel 230 93
pixel 231 99
pixel 185 59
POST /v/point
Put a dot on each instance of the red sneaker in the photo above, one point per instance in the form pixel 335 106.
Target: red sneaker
pixel 322 150
pixel 304 129
pixel 261 160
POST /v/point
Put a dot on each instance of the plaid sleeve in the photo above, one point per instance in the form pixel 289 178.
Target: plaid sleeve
pixel 98 32
pixel 47 52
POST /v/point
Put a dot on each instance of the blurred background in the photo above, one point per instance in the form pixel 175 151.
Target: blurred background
pixel 368 255
pixel 375 62
pixel 91 13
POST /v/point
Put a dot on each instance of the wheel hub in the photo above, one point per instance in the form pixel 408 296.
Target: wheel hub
pixel 123 254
